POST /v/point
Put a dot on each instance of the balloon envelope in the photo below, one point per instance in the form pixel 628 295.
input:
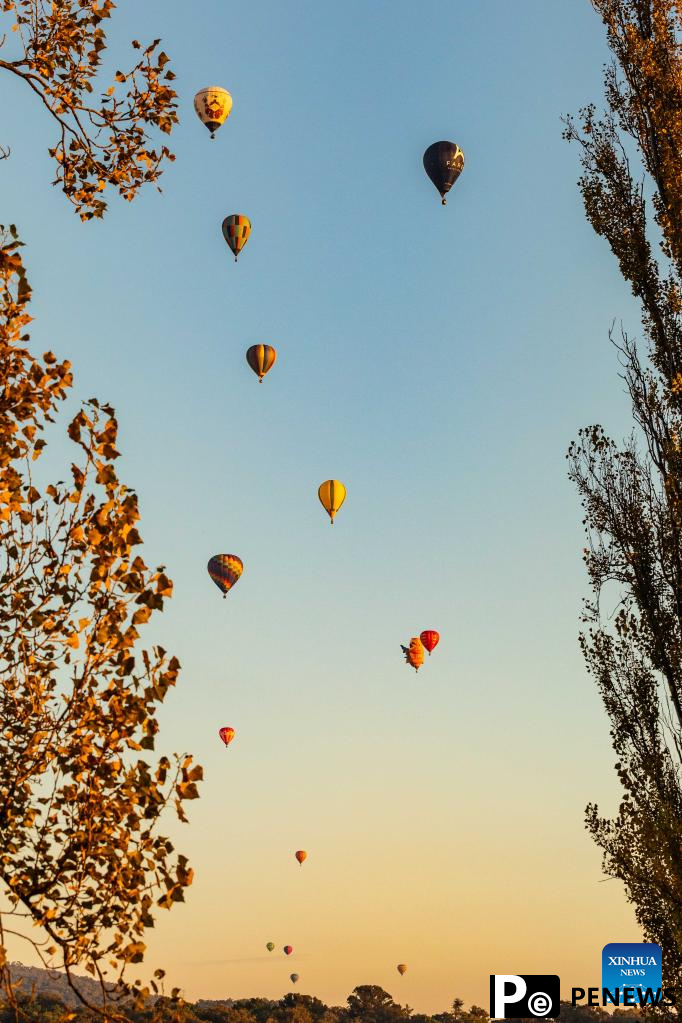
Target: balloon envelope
pixel 401 968
pixel 213 106
pixel 225 570
pixel 301 855
pixel 261 359
pixel 443 162
pixel 288 950
pixel 332 494
pixel 430 638
pixel 293 978
pixel 236 231
pixel 414 654
pixel 226 734
pixel 270 946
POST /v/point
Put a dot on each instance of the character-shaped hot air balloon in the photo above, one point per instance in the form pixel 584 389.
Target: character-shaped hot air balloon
pixel 401 968
pixel 414 654
pixel 213 106
pixel 443 162
pixel 293 978
pixel 332 494
pixel 270 946
pixel 226 734
pixel 288 950
pixel 224 570
pixel 261 359
pixel 430 638
pixel 301 855
pixel 236 231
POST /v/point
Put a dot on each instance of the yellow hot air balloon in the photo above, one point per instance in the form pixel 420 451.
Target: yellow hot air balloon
pixel 414 654
pixel 332 494
pixel 401 968
pixel 213 106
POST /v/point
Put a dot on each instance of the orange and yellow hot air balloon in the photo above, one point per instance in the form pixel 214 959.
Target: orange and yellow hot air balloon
pixel 213 106
pixel 430 638
pixel 332 494
pixel 236 231
pixel 225 570
pixel 414 654
pixel 261 359
pixel 226 734
pixel 301 855
pixel 401 968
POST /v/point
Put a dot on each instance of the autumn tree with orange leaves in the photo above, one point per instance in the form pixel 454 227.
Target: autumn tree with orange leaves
pixel 56 49
pixel 84 863
pixel 632 491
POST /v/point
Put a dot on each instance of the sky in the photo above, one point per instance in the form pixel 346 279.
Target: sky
pixel 436 360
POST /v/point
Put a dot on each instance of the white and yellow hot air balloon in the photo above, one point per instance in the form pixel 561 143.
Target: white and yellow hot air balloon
pixel 213 106
pixel 332 494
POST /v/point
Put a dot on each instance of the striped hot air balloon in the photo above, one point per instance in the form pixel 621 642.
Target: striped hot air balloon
pixel 236 231
pixel 332 494
pixel 225 570
pixel 261 359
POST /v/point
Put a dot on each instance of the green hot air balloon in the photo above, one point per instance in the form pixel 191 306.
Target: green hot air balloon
pixel 270 946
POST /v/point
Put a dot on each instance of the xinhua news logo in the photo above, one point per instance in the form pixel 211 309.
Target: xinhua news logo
pixel 518 996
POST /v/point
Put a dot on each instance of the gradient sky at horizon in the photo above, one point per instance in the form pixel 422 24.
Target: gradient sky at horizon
pixel 438 361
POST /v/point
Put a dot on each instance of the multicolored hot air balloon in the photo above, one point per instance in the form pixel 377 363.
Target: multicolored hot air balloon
pixel 443 162
pixel 332 494
pixel 270 946
pixel 226 734
pixel 225 570
pixel 401 968
pixel 293 978
pixel 430 638
pixel 414 654
pixel 236 231
pixel 213 106
pixel 288 950
pixel 301 855
pixel 261 359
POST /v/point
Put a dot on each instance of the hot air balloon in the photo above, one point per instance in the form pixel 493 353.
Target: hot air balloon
pixel 332 494
pixel 261 359
pixel 301 855
pixel 443 162
pixel 213 106
pixel 270 946
pixel 293 978
pixel 288 950
pixel 414 654
pixel 401 968
pixel 236 231
pixel 224 570
pixel 430 638
pixel 226 734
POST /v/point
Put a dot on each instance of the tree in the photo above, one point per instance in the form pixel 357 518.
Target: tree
pixel 371 1004
pixel 632 492
pixel 57 51
pixel 81 797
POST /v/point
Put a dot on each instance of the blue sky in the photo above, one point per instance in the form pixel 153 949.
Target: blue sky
pixel 438 362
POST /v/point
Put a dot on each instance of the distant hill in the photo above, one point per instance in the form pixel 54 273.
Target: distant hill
pixel 53 984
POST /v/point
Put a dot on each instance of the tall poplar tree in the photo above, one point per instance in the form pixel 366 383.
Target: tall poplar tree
pixel 631 153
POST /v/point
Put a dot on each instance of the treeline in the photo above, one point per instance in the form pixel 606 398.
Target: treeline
pixel 367 1004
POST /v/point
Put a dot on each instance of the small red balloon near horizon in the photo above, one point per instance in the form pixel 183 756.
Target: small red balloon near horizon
pixel 288 950
pixel 226 734
pixel 430 639
pixel 301 855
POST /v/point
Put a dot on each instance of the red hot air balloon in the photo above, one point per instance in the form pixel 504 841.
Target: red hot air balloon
pixel 301 855
pixel 226 734
pixel 288 950
pixel 430 639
